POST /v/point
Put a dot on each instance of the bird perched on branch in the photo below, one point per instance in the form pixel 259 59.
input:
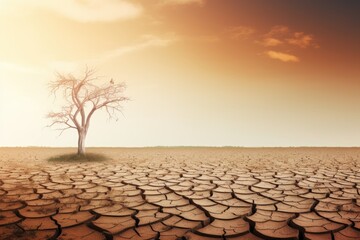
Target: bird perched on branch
pixel 112 81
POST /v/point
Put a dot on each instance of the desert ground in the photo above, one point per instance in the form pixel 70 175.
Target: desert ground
pixel 181 193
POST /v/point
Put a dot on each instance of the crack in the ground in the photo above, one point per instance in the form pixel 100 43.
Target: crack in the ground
pixel 187 199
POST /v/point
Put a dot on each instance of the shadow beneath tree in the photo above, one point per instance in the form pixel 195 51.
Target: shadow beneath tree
pixel 76 158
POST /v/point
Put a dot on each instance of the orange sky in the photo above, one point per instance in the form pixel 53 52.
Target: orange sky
pixel 199 72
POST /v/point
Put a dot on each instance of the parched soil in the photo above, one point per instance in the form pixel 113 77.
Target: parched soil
pixel 181 193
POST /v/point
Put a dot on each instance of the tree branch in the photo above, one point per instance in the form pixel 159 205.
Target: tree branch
pixel 79 94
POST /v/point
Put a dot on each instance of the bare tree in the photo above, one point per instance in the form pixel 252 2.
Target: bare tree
pixel 83 97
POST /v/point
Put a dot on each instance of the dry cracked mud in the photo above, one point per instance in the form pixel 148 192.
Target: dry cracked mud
pixel 182 193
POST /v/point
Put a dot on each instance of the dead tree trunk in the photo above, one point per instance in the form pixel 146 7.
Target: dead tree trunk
pixel 81 142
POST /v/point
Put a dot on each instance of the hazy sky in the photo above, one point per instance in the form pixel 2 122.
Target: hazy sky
pixel 199 72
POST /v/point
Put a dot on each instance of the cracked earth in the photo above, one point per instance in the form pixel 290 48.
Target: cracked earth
pixel 182 193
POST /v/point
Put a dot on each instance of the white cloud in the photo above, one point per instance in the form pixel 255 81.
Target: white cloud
pixel 284 57
pixel 280 35
pixel 270 42
pixel 241 32
pixel 301 39
pixel 145 42
pixel 84 10
pixel 278 30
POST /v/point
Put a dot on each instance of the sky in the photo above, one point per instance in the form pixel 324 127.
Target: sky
pixel 255 73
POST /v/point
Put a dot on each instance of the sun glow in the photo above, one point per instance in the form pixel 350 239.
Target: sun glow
pixel 198 72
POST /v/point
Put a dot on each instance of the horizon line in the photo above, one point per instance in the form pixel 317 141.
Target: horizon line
pixel 183 146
